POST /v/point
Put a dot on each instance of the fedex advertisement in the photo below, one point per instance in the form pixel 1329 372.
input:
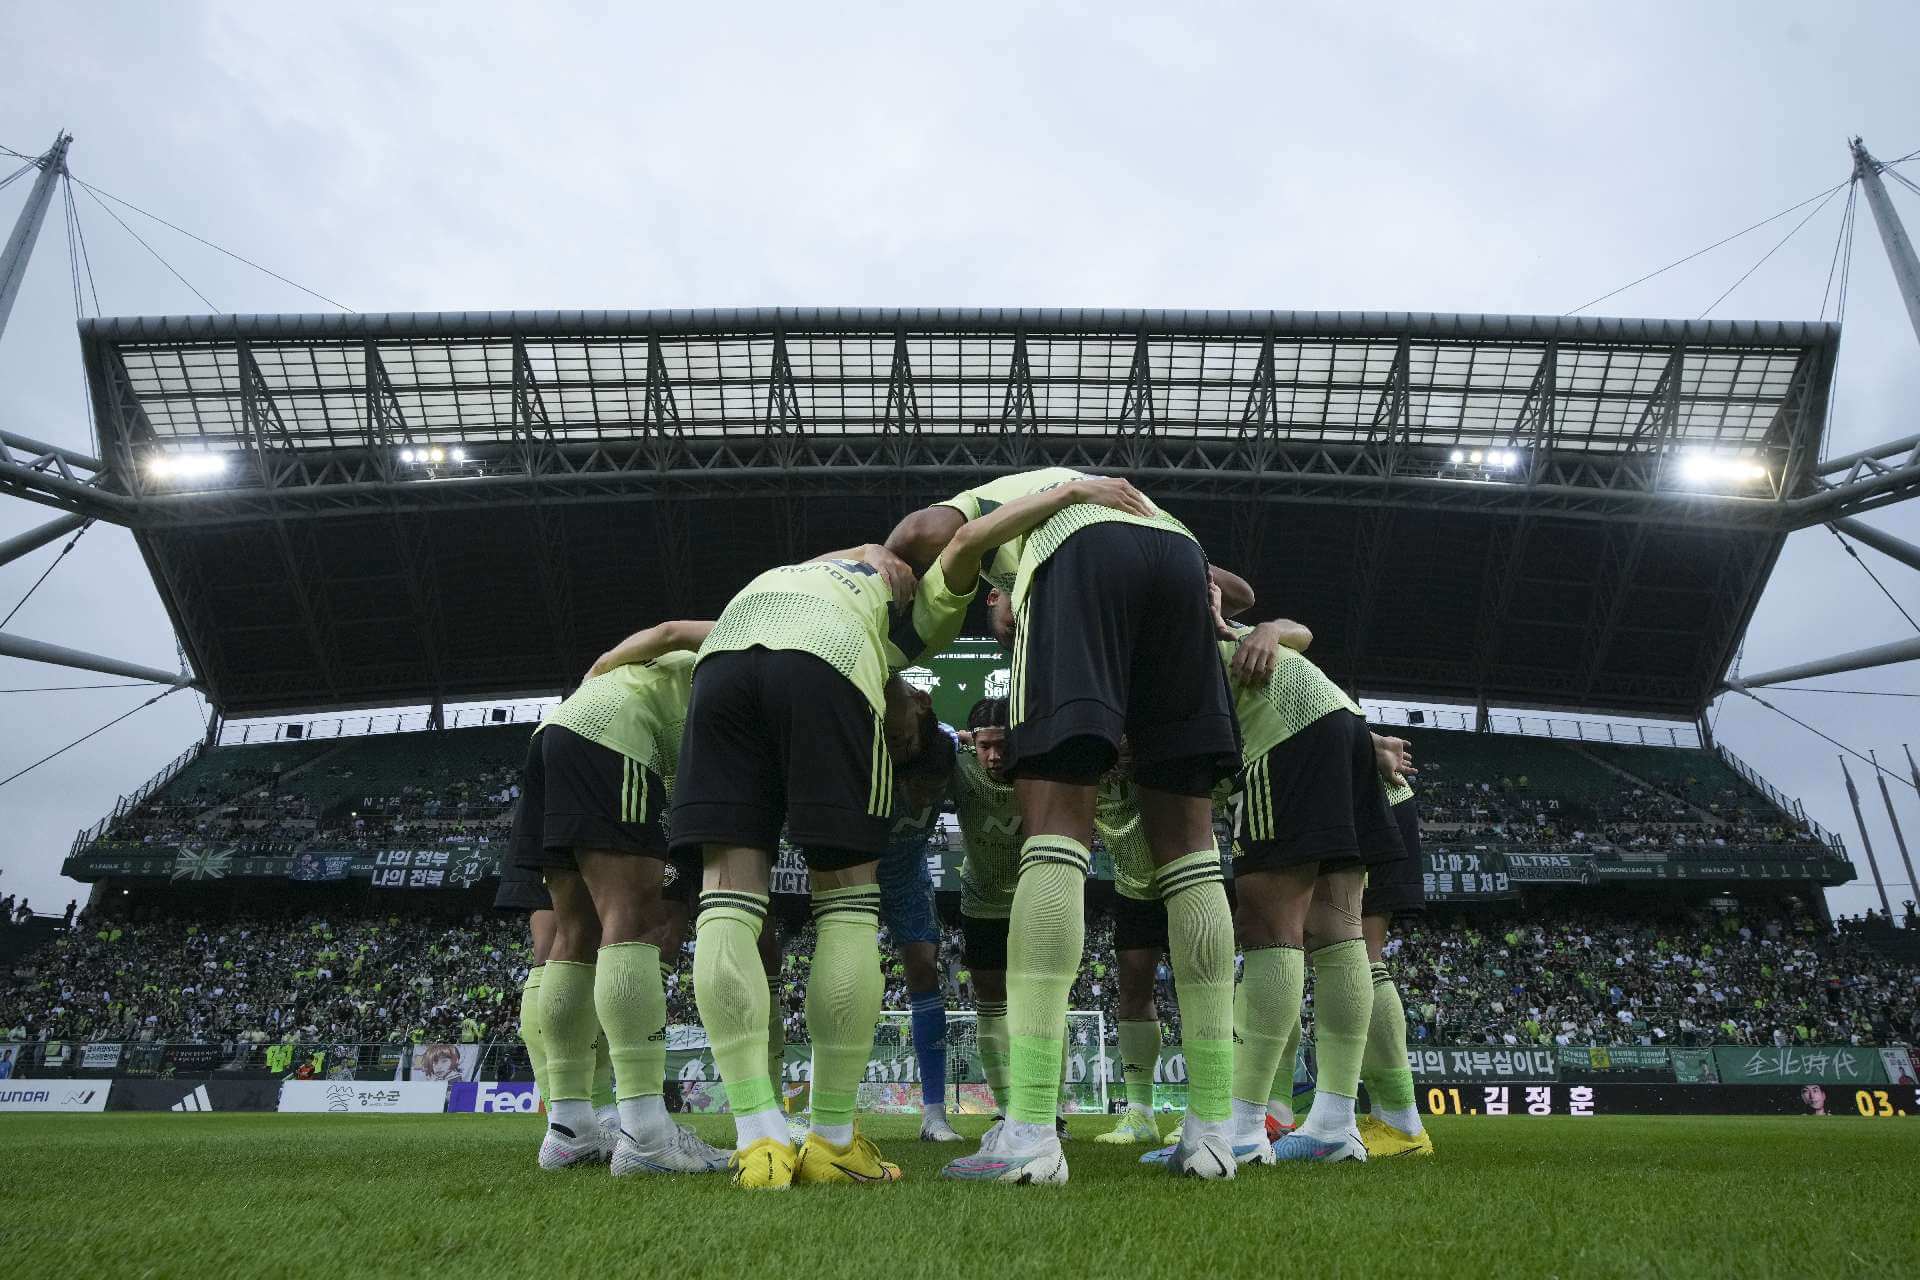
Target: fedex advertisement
pixel 494 1097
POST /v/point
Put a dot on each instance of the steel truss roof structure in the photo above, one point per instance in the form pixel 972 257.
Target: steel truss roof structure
pixel 1501 509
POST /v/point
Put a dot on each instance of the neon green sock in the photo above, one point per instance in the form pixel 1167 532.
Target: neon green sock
pixel 1282 1090
pixel 1045 937
pixel 531 1034
pixel 1342 1007
pixel 991 1034
pixel 843 997
pixel 602 1093
pixel 1384 1065
pixel 566 1016
pixel 1139 1055
pixel 776 1040
pixel 730 991
pixel 1200 943
pixel 632 1005
pixel 1267 1003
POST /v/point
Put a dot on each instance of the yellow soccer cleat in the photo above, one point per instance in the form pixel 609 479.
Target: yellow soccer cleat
pixel 765 1165
pixel 1383 1140
pixel 858 1161
pixel 1135 1127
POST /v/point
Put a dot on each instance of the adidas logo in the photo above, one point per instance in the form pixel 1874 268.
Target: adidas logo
pixel 195 1101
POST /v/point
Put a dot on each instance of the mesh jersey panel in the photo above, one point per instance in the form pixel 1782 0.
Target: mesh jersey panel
pixel 1398 792
pixel 990 830
pixel 1295 695
pixel 1116 820
pixel 638 710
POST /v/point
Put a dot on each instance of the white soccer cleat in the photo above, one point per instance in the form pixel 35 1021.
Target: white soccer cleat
pixel 990 1140
pixel 934 1128
pixel 1301 1146
pixel 680 1151
pixel 608 1118
pixel 1046 1166
pixel 1208 1156
pixel 564 1149
pixel 1258 1152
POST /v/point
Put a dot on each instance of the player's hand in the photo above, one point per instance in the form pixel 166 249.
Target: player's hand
pixel 1221 627
pixel 1253 662
pixel 1111 491
pixel 1394 757
pixel 897 572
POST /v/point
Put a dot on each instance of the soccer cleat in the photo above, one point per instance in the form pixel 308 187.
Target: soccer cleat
pixel 608 1118
pixel 1209 1157
pixel 934 1128
pixel 1045 1167
pixel 859 1161
pixel 1383 1140
pixel 1260 1152
pixel 681 1151
pixel 1277 1130
pixel 1178 1131
pixel 1060 1128
pixel 1135 1126
pixel 990 1140
pixel 562 1148
pixel 1302 1146
pixel 764 1165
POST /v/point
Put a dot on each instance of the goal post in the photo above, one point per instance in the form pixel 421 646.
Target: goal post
pixel 893 1071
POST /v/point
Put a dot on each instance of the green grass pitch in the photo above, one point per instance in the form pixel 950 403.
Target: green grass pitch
pixel 198 1195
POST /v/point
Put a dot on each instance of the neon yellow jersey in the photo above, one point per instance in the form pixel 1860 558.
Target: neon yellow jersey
pixel 990 828
pixel 1011 565
pixel 1116 818
pixel 841 612
pixel 1398 792
pixel 1294 696
pixel 638 710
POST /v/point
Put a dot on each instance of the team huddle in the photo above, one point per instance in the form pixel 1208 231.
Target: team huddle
pixel 656 796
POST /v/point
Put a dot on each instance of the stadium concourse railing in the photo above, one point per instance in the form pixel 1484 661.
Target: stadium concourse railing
pixel 367 724
pixel 134 798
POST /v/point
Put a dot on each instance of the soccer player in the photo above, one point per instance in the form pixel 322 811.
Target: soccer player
pixel 906 909
pixel 795 721
pixel 1115 637
pixel 1393 1127
pixel 1311 816
pixel 596 784
pixel 1139 940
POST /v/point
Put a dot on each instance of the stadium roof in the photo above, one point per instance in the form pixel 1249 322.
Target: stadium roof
pixel 1534 511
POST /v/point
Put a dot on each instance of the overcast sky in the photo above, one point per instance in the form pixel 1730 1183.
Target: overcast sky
pixel 1488 158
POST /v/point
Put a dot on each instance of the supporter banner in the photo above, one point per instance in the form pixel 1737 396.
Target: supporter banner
pixel 189 1058
pixel 1898 1064
pixel 1613 1057
pixel 1604 1099
pixel 1550 868
pixel 455 867
pixel 99 1057
pixel 445 1061
pixel 1821 1064
pixel 1478 875
pixel 789 872
pixel 9 1053
pixel 1483 1064
pixel 346 1097
pixel 493 1097
pixel 194 1096
pixel 1815 869
pixel 320 866
pixel 53 1095
pixel 1695 1066
pixel 54 1055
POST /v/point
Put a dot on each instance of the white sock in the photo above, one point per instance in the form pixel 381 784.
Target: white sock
pixel 1249 1122
pixel 839 1135
pixel 1020 1139
pixel 1196 1129
pixel 575 1114
pixel 644 1117
pixel 752 1126
pixel 933 1110
pixel 1406 1120
pixel 1281 1111
pixel 1330 1118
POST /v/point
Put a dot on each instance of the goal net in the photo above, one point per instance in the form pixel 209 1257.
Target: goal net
pixel 893 1072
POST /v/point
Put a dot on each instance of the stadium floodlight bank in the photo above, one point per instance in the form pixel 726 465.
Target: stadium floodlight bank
pixel 364 510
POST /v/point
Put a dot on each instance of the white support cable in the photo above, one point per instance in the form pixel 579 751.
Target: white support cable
pixel 1769 253
pixel 1833 741
pixel 150 249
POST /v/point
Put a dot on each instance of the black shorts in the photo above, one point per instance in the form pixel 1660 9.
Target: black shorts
pixel 1116 637
pixel 1317 797
pixel 983 941
pixel 778 738
pixel 521 891
pixel 1396 888
pixel 1139 924
pixel 577 794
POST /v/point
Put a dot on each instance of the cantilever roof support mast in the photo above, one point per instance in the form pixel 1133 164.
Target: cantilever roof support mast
pixel 1906 267
pixel 13 269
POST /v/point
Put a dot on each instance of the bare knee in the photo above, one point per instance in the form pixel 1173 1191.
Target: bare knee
pixel 1334 914
pixel 1271 907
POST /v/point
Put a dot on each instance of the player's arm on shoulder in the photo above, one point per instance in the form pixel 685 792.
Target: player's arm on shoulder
pixel 1236 593
pixel 651 643
pixel 961 559
pixel 1258 653
pixel 898 573
pixel 923 535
